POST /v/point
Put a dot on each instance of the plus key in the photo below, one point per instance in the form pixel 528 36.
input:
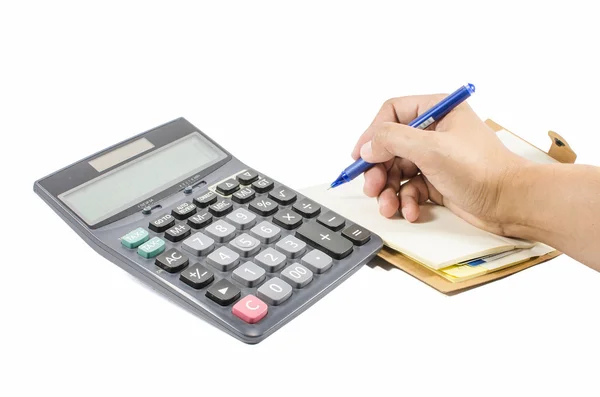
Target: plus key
pixel 324 239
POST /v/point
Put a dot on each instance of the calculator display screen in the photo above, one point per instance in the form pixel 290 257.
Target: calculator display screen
pixel 133 182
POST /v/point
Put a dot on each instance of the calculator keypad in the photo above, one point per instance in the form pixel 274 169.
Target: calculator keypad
pixel 247 177
pixel 244 195
pixel 245 245
pixel 151 248
pixel 263 185
pixel 288 219
pixel 250 309
pixel 291 246
pixel 199 244
pixel 197 276
pixel 266 232
pixel 178 232
pixel 283 195
pixel 161 224
pixel 172 261
pixel 205 200
pixel 242 218
pixel 297 275
pixel 223 258
pixel 263 206
pixel 184 211
pixel 249 274
pixel 221 231
pixel 200 220
pixel 223 292
pixel 275 291
pixel 228 187
pixel 307 208
pixel 221 207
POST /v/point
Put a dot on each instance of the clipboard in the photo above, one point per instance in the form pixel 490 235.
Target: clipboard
pixel 560 151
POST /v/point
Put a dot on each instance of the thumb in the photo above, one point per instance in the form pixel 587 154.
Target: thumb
pixel 398 140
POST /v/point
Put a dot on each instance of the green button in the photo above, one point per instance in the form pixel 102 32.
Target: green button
pixel 135 237
pixel 151 248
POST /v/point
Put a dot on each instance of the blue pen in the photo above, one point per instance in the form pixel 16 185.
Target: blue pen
pixel 423 121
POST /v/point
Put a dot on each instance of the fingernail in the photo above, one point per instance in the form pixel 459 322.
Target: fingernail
pixel 366 150
pixel 404 212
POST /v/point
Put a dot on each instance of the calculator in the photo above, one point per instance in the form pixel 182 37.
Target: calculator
pixel 176 210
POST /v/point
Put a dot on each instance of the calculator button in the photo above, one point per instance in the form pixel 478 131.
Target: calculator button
pixel 247 177
pixel 221 207
pixel 244 195
pixel 197 276
pixel 263 206
pixel 242 218
pixel 288 219
pixel 263 185
pixel 223 292
pixel 291 246
pixel 275 291
pixel 223 259
pixel 172 261
pixel 283 195
pixel 332 221
pixel 178 233
pixel 184 211
pixel 228 187
pixel 307 208
pixel 357 234
pixel 248 274
pixel 324 239
pixel 199 244
pixel 135 238
pixel 200 219
pixel 317 261
pixel 220 231
pixel 245 245
pixel 266 232
pixel 151 248
pixel 270 260
pixel 250 309
pixel 161 224
pixel 297 275
pixel 205 200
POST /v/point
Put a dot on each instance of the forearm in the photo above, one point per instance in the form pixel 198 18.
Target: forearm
pixel 558 205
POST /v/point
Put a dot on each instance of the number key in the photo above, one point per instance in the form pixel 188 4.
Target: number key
pixel 266 232
pixel 275 291
pixel 263 206
pixel 223 259
pixel 297 275
pixel 291 246
pixel 198 244
pixel 245 245
pixel 221 231
pixel 270 260
pixel 242 218
pixel 249 274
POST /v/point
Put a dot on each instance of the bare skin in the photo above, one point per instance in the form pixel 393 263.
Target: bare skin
pixel 460 163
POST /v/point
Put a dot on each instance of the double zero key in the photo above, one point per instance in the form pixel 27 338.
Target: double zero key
pixel 324 239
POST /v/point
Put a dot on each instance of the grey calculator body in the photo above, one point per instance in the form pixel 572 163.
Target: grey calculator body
pixel 129 185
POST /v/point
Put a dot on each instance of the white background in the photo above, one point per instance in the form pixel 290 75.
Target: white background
pixel 287 87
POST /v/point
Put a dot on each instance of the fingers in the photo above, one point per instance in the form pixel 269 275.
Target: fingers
pixel 375 180
pixel 413 193
pixel 386 113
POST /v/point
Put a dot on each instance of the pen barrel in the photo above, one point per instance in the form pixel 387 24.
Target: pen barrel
pixel 355 169
pixel 443 107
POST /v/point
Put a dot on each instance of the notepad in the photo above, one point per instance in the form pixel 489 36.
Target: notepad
pixel 440 239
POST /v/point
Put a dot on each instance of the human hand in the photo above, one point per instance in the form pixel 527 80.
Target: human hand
pixel 459 162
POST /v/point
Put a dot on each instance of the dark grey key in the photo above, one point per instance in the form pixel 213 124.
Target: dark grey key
pixel 324 239
pixel 357 234
pixel 200 220
pixel 221 231
pixel 223 259
pixel 161 224
pixel 283 195
pixel 184 211
pixel 263 206
pixel 249 274
pixel 332 221
pixel 263 185
pixel 198 244
pixel 242 218
pixel 245 245
pixel 221 207
pixel 275 291
pixel 266 232
pixel 178 232
pixel 197 276
pixel 205 200
pixel 291 246
pixel 317 261
pixel 223 292
pixel 307 208
pixel 247 177
pixel 172 261
pixel 228 187
pixel 270 260
pixel 297 275
pixel 244 195
pixel 288 219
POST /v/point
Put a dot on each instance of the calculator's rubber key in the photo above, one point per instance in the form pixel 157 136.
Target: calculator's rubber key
pixel 287 219
pixel 331 221
pixel 227 187
pixel 223 292
pixel 242 218
pixel 269 259
pixel 247 177
pixel 263 185
pixel 245 245
pixel 223 259
pixel 307 208
pixel 291 246
pixel 263 206
pixel 205 200
pixel 317 261
pixel 197 276
pixel 198 244
pixel 249 274
pixel 266 232
pixel 244 195
pixel 221 207
pixel 184 211
pixel 357 234
pixel 221 231
pixel 283 195
pixel 161 224
pixel 135 238
pixel 178 233
pixel 324 239
pixel 250 309
pixel 151 248
pixel 200 220
pixel 274 291
pixel 172 261
pixel 297 275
